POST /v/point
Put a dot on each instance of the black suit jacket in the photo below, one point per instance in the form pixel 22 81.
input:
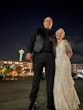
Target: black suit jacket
pixel 42 40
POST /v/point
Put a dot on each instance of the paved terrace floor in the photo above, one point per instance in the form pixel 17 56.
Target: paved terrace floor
pixel 14 94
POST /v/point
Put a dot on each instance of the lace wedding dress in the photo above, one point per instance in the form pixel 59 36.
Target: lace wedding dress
pixel 65 95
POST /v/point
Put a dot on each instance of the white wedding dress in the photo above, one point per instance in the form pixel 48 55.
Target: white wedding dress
pixel 65 95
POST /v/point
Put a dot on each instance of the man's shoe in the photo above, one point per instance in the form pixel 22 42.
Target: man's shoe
pixel 32 106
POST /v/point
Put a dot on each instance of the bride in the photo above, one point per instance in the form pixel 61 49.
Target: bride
pixel 65 95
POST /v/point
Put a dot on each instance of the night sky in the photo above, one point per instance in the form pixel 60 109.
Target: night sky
pixel 18 20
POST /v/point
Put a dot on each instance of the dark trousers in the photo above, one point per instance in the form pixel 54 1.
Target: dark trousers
pixel 41 60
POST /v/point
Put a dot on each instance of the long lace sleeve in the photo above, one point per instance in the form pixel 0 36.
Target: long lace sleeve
pixel 68 48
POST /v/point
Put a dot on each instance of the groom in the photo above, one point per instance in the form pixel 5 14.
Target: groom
pixel 41 51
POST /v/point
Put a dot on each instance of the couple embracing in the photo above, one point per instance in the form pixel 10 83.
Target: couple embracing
pixel 48 49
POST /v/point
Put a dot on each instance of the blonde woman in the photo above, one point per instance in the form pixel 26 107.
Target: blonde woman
pixel 65 95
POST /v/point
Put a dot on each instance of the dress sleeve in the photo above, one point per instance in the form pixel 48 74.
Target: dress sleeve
pixel 68 47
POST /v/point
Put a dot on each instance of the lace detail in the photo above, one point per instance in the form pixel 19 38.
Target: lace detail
pixel 65 95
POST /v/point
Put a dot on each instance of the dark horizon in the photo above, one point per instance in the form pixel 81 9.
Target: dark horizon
pixel 18 20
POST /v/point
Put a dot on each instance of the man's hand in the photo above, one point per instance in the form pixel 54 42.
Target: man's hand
pixel 29 56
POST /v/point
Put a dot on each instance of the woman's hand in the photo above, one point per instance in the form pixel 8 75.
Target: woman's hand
pixel 69 54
